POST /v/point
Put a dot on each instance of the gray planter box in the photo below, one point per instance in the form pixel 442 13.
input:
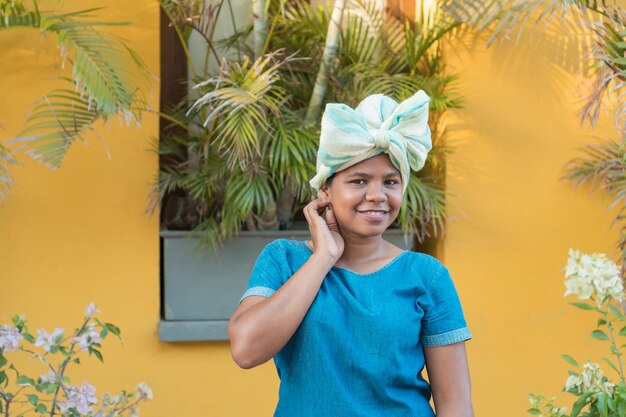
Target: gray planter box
pixel 201 291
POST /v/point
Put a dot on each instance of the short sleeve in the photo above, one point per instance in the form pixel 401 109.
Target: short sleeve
pixel 443 322
pixel 268 273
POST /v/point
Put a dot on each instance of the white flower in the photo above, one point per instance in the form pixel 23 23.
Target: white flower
pixel 144 391
pixel 81 398
pixel 88 338
pixel 590 381
pixel 91 310
pixel 49 377
pixel 47 340
pixel 9 338
pixel 593 274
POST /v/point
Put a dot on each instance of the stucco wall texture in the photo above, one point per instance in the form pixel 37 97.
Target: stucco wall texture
pixel 80 234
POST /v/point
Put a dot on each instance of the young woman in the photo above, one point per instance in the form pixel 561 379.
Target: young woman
pixel 350 319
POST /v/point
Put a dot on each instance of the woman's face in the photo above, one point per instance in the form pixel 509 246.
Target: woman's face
pixel 366 197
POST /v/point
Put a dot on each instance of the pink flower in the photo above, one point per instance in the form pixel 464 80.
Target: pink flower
pixel 88 338
pixel 49 377
pixel 81 398
pixel 91 310
pixel 46 340
pixel 9 338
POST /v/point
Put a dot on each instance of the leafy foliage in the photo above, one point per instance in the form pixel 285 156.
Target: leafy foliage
pixel 601 28
pixel 604 168
pixel 106 80
pixel 245 154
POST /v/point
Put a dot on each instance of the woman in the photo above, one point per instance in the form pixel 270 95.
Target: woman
pixel 350 319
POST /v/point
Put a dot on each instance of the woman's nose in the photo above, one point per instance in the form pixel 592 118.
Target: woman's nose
pixel 375 192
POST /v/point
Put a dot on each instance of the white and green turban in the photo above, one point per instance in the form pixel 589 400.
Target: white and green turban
pixel 378 124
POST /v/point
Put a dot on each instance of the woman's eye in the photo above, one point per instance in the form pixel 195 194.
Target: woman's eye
pixel 357 182
pixel 392 182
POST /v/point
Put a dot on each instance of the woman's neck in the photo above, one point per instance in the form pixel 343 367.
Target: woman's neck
pixel 359 250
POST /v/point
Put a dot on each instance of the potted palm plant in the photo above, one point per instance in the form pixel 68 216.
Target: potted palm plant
pixel 238 151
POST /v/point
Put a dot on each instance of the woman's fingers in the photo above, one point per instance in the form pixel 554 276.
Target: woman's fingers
pixel 330 220
pixel 316 206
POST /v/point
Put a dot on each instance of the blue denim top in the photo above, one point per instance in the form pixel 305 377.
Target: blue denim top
pixel 358 351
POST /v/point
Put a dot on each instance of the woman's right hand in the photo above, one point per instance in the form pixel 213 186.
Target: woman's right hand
pixel 327 239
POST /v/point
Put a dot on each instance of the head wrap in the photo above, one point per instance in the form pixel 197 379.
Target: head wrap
pixel 378 124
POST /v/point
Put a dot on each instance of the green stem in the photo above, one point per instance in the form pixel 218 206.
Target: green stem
pixel 617 352
pixel 63 366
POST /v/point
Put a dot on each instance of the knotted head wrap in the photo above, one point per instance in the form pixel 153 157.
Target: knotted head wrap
pixel 378 124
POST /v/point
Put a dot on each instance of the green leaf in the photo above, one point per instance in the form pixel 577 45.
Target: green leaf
pixel 570 360
pixel 29 337
pixel 599 334
pixel 578 405
pixel 3 360
pixel 603 407
pixel 49 131
pixel 610 363
pixel 25 381
pixel 41 409
pixel 113 328
pixel 601 322
pixel 583 306
pixel 534 411
pixel 104 332
pixel 615 311
pixel 18 321
pixel 96 353
pixel 33 399
pixel 77 360
pixel 622 332
pixel 3 377
pixel 54 349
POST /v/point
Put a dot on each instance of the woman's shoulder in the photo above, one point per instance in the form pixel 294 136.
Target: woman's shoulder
pixel 423 262
pixel 287 246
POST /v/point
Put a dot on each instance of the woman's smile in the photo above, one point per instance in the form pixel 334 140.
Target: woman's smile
pixel 374 215
pixel 366 197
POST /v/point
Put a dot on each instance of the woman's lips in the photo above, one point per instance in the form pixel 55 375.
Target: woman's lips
pixel 373 214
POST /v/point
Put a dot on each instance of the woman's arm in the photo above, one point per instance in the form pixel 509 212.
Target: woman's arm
pixel 260 326
pixel 448 374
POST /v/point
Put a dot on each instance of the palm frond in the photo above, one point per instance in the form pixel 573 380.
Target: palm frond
pixel 15 14
pixel 103 67
pixel 6 159
pixel 361 32
pixel 239 100
pixel 424 205
pixel 291 151
pixel 107 79
pixel 509 15
pixel 610 77
pixel 61 117
pixel 603 168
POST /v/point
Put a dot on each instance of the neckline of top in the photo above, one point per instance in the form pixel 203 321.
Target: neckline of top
pixel 364 274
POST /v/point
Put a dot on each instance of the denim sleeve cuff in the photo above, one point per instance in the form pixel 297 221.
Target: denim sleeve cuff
pixel 262 291
pixel 454 336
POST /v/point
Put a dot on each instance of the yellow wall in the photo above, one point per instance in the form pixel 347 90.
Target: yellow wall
pixel 515 220
pixel 80 234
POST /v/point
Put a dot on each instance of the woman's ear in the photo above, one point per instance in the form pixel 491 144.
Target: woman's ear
pixel 324 193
